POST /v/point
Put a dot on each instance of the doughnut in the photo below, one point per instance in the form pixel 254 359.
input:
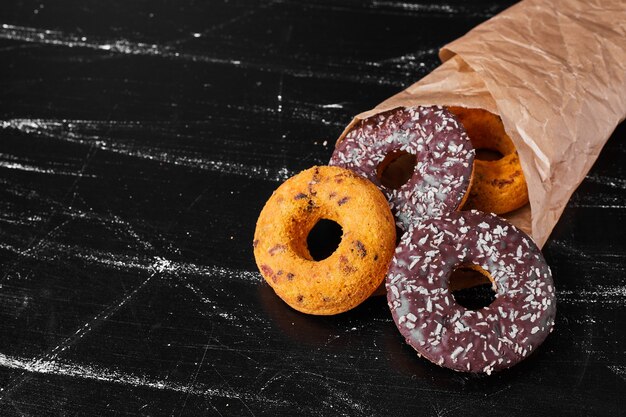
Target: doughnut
pixel 420 157
pixel 436 326
pixel 499 185
pixel 360 262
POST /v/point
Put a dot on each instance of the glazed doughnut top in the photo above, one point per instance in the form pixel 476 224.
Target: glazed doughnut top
pixel 443 153
pixel 448 334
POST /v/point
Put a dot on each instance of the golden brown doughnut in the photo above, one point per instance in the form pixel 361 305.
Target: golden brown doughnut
pixel 358 265
pixel 498 185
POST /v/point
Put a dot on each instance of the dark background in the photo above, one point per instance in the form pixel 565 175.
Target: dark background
pixel 139 141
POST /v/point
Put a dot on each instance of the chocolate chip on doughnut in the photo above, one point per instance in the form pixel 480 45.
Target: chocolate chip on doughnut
pixel 359 264
pixel 494 337
pixel 498 185
pixel 426 147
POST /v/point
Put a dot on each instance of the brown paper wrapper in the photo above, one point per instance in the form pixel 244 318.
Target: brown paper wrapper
pixel 555 72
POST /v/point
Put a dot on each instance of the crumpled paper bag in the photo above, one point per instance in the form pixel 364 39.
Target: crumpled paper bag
pixel 555 72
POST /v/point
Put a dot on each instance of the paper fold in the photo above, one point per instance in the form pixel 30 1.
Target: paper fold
pixel 555 72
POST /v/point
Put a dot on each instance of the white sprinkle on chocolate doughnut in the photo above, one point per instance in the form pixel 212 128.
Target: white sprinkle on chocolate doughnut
pixel 437 155
pixel 433 323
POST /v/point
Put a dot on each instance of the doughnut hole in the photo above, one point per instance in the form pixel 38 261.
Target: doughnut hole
pixel 396 169
pixel 324 239
pixel 486 154
pixel 471 286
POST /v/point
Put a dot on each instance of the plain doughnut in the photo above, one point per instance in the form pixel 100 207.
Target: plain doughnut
pixel 359 264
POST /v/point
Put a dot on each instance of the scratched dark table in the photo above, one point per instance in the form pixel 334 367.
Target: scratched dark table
pixel 138 144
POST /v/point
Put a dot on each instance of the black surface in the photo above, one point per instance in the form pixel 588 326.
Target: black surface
pixel 135 157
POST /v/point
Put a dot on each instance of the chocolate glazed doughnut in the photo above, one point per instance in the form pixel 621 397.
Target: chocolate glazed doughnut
pixel 433 323
pixel 435 154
